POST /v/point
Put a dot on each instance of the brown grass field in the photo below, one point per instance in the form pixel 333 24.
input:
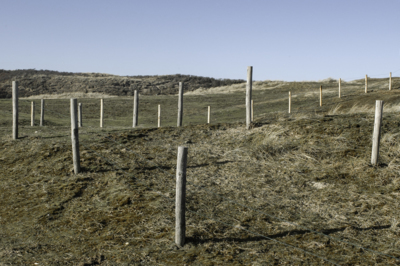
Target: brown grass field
pixel 296 189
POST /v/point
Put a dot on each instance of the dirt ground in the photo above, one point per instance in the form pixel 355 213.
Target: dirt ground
pixel 296 189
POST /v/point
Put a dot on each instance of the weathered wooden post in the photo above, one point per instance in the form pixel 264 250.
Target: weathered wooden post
pixel 248 95
pixel 290 102
pixel 135 109
pixel 252 110
pixel 209 115
pixel 340 82
pixel 101 112
pixel 41 112
pixel 159 115
pixel 320 95
pixel 390 81
pixel 180 105
pixel 32 114
pixel 15 108
pixel 180 223
pixel 80 115
pixel 366 84
pixel 75 136
pixel 377 132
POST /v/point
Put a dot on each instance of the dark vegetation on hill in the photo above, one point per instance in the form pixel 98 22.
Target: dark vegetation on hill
pixel 36 82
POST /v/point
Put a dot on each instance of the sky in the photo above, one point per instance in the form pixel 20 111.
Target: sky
pixel 292 40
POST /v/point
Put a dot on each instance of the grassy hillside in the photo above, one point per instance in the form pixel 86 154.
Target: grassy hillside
pixel 296 189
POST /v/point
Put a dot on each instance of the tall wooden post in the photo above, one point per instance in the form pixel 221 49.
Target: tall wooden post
pixel 209 115
pixel 101 112
pixel 41 112
pixel 290 102
pixel 159 115
pixel 180 105
pixel 340 83
pixel 249 86
pixel 390 81
pixel 135 109
pixel 75 136
pixel 80 115
pixel 180 222
pixel 366 84
pixel 377 132
pixel 32 114
pixel 320 95
pixel 15 108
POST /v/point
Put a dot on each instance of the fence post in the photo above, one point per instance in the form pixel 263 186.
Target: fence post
pixel 180 223
pixel 180 105
pixel 15 108
pixel 209 115
pixel 80 115
pixel 32 114
pixel 101 112
pixel 320 95
pixel 135 109
pixel 390 81
pixel 41 112
pixel 366 83
pixel 290 102
pixel 340 83
pixel 377 132
pixel 75 136
pixel 249 86
pixel 252 110
pixel 159 115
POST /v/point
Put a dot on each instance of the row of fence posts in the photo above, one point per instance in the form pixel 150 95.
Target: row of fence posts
pixel 180 223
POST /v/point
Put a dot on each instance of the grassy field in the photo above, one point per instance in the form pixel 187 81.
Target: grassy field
pixel 296 189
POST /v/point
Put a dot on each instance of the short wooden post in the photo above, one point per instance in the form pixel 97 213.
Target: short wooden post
pixel 180 223
pixel 159 115
pixel 290 102
pixel 249 86
pixel 252 110
pixel 377 132
pixel 390 81
pixel 32 114
pixel 80 115
pixel 101 112
pixel 41 112
pixel 75 136
pixel 366 84
pixel 180 105
pixel 340 83
pixel 209 115
pixel 320 95
pixel 15 108
pixel 135 109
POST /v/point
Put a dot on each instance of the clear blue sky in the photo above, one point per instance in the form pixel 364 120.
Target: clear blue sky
pixel 282 40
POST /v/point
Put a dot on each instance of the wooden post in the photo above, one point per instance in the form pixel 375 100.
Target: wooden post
pixel 209 115
pixel 15 108
pixel 320 96
pixel 135 109
pixel 101 112
pixel 41 112
pixel 290 102
pixel 366 84
pixel 32 114
pixel 340 82
pixel 377 132
pixel 249 86
pixel 180 223
pixel 75 136
pixel 180 105
pixel 80 115
pixel 390 81
pixel 159 115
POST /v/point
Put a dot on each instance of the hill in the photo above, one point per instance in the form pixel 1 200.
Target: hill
pixel 37 82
